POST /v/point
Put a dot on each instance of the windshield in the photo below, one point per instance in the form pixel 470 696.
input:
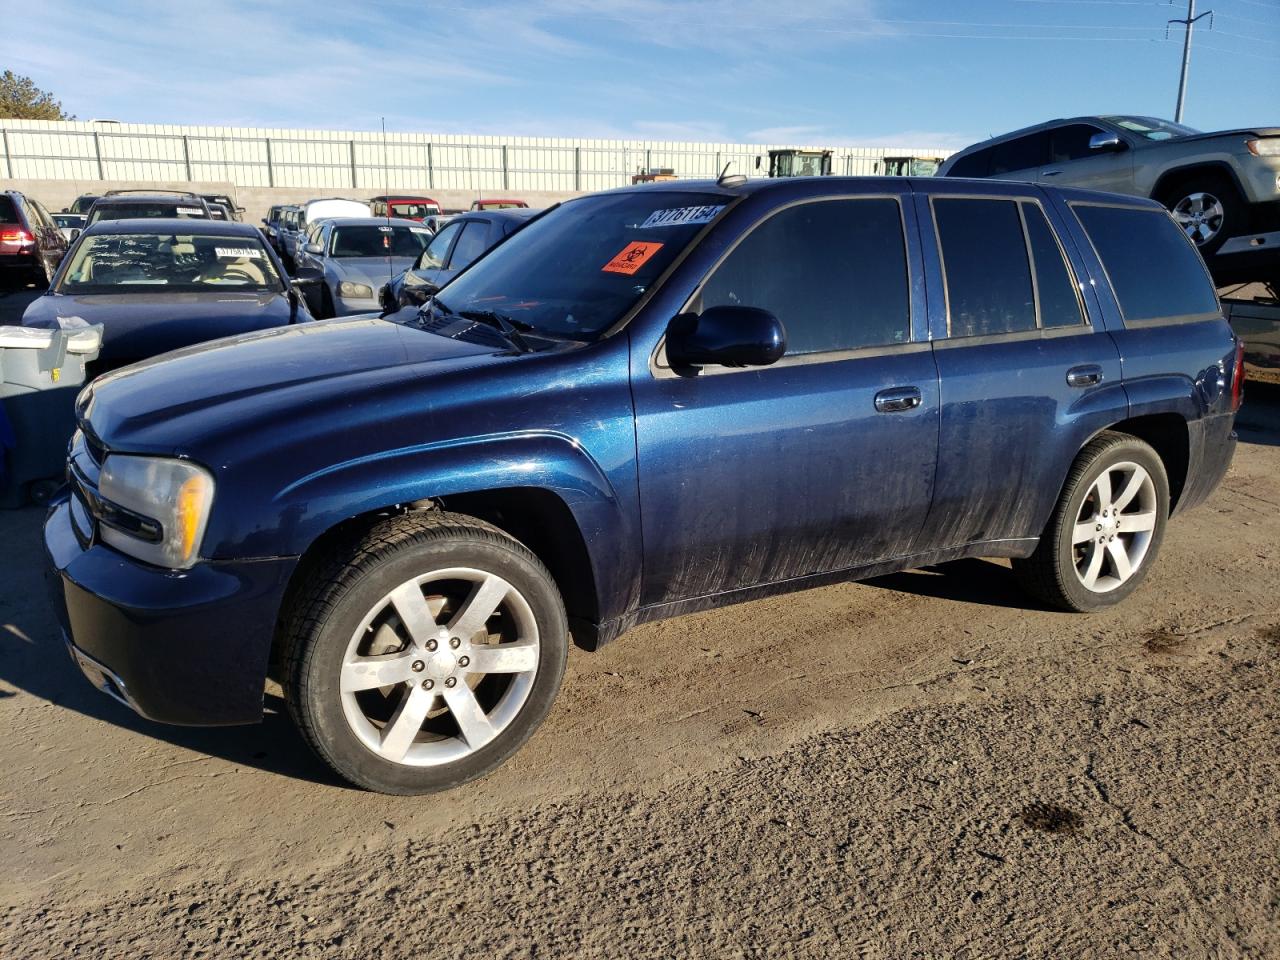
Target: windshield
pixel 82 204
pixel 414 210
pixel 147 209
pixel 165 262
pixel 500 205
pixel 1151 128
pixel 379 241
pixel 575 271
pixel 69 219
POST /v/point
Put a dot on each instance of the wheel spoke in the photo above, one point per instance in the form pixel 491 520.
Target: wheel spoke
pixel 1084 532
pixel 1120 560
pixel 1136 480
pixel 504 658
pixel 1137 522
pixel 398 734
pixel 412 609
pixel 366 673
pixel 1103 486
pixel 1090 576
pixel 472 722
pixel 479 607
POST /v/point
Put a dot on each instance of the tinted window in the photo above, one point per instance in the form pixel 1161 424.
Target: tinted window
pixel 433 257
pixel 1154 269
pixel 8 212
pixel 1059 305
pixel 473 241
pixel 834 273
pixel 146 209
pixel 974 165
pixel 380 241
pixel 985 265
pixel 1071 142
pixel 1024 153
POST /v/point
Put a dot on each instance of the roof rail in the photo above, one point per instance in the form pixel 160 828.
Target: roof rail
pixel 175 193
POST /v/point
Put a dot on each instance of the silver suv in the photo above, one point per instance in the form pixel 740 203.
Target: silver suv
pixel 1223 188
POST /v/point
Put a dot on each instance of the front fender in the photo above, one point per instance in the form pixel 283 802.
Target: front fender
pixel 319 501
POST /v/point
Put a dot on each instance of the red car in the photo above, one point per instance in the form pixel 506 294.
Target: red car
pixel 498 205
pixel 405 208
pixel 31 245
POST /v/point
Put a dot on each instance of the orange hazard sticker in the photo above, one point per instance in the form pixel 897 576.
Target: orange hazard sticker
pixel 632 257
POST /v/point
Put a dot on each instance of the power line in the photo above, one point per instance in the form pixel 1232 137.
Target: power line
pixel 1189 22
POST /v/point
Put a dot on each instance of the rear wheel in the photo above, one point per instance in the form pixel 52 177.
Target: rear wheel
pixel 425 655
pixel 1106 531
pixel 1208 208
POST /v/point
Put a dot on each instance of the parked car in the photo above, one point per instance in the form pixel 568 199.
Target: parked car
pixel 646 402
pixel 288 230
pixel 300 220
pixel 1223 188
pixel 159 284
pixel 31 245
pixel 82 203
pixel 405 208
pixel 271 222
pixel 135 204
pixel 1253 310
pixel 451 250
pixel 70 224
pixel 355 255
pixel 218 212
pixel 436 223
pixel 233 211
pixel 497 204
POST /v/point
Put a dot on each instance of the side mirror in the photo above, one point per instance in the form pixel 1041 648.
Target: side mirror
pixel 726 336
pixel 314 249
pixel 1106 142
pixel 306 276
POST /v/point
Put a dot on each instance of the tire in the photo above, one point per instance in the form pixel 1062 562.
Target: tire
pixel 1208 207
pixel 1072 573
pixel 345 629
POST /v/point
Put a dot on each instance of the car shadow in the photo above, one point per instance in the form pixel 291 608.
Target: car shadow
pixel 1258 421
pixel 973 580
pixel 33 659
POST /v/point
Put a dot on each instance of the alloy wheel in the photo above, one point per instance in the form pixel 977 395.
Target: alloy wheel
pixel 440 666
pixel 1200 215
pixel 1114 527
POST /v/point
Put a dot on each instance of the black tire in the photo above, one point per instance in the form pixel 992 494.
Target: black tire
pixel 329 610
pixel 1224 190
pixel 1051 573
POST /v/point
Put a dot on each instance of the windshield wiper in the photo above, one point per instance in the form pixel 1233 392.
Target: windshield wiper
pixel 502 323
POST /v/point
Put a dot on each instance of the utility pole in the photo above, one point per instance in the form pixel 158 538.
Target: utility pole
pixel 1189 23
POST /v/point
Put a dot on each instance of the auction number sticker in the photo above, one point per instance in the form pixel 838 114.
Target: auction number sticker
pixel 191 211
pixel 682 216
pixel 631 257
pixel 234 253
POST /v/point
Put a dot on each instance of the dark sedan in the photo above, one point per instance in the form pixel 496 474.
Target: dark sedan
pixel 459 243
pixel 159 284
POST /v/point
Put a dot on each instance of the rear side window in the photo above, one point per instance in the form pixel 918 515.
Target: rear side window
pixel 8 211
pixel 1059 303
pixel 473 241
pixel 985 267
pixel 1071 142
pixel 1023 153
pixel 1154 270
pixel 834 272
pixel 974 165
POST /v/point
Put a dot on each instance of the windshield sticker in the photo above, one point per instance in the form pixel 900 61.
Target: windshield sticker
pixel 387 229
pixel 682 216
pixel 234 253
pixel 191 211
pixel 631 258
pixel 419 230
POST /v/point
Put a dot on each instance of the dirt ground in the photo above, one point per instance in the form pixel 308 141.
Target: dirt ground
pixel 919 766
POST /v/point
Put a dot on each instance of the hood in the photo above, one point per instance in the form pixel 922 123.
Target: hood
pixel 1246 133
pixel 187 400
pixel 141 325
pixel 373 271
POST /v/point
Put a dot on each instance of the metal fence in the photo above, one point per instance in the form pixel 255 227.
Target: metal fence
pixel 370 161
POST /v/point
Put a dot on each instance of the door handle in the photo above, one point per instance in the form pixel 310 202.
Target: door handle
pixel 1051 173
pixel 1084 376
pixel 898 399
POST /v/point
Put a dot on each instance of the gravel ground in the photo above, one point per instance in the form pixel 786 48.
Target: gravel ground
pixel 919 766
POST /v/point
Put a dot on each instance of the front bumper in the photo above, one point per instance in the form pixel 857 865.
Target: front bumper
pixel 187 647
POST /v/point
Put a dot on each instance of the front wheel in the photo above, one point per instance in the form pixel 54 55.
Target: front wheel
pixel 426 654
pixel 1209 210
pixel 1106 530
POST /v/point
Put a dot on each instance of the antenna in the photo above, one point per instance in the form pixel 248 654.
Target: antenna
pixel 724 180
pixel 386 190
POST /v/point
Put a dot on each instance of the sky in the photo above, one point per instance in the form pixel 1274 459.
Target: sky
pixel 910 73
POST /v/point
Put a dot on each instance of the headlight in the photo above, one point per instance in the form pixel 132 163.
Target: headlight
pixel 1266 147
pixel 359 291
pixel 164 507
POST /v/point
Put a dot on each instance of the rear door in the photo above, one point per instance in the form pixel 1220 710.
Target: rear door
pixel 1071 162
pixel 1019 158
pixel 1027 371
pixel 821 462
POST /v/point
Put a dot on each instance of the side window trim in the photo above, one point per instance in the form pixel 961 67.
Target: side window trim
pixel 1086 326
pixel 658 365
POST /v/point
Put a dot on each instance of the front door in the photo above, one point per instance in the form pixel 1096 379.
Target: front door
pixel 821 462
pixel 1073 163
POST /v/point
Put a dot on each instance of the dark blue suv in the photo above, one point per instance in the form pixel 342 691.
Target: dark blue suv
pixel 646 402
